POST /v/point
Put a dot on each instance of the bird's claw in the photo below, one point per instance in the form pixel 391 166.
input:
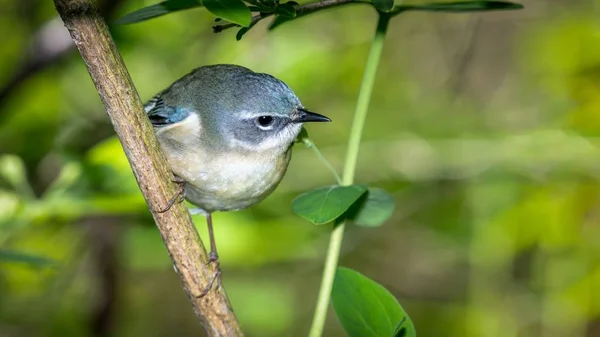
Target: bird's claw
pixel 213 258
pixel 215 277
pixel 178 197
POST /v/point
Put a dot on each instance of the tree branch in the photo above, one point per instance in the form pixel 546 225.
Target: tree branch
pixel 301 10
pixel 91 37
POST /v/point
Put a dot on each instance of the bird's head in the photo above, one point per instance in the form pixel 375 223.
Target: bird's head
pixel 232 108
pixel 257 112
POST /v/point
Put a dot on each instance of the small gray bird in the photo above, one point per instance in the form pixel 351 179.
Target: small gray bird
pixel 227 133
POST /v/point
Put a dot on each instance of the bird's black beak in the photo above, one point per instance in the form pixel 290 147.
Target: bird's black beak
pixel 304 116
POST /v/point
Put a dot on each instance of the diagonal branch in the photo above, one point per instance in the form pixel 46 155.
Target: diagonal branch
pixel 91 37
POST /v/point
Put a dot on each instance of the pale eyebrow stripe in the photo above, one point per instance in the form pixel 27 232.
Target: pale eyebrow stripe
pixel 245 114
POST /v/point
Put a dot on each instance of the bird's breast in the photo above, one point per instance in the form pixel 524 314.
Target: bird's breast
pixel 229 181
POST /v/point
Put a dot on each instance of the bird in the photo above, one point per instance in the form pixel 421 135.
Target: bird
pixel 227 134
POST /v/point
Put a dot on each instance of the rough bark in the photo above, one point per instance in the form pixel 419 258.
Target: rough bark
pixel 109 74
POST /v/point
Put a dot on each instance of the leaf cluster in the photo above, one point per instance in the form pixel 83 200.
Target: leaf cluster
pixel 239 13
pixel 364 206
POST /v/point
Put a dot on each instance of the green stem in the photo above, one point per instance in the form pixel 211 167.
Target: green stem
pixel 360 115
pixel 324 160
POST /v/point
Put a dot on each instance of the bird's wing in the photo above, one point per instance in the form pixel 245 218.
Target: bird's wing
pixel 161 114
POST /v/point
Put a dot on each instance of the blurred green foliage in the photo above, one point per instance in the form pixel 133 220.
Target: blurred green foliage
pixel 484 128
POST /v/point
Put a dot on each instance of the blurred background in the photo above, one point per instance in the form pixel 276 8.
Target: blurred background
pixel 483 126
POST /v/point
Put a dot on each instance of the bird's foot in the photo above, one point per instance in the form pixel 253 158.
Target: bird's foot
pixel 213 258
pixel 178 197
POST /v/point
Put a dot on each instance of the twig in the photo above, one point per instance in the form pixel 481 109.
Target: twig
pixel 321 4
pixel 300 9
pixel 91 37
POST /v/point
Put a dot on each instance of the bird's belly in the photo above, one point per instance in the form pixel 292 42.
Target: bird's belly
pixel 234 183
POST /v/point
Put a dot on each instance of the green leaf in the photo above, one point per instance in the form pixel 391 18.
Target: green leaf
pixel 374 208
pixel 157 10
pixel 367 309
pixel 326 204
pixel 383 5
pixel 231 10
pixel 286 10
pixel 463 6
pixel 240 34
pixel 244 30
pixel 405 329
pixel 19 257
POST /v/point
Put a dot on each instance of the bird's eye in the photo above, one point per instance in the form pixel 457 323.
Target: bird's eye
pixel 265 121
